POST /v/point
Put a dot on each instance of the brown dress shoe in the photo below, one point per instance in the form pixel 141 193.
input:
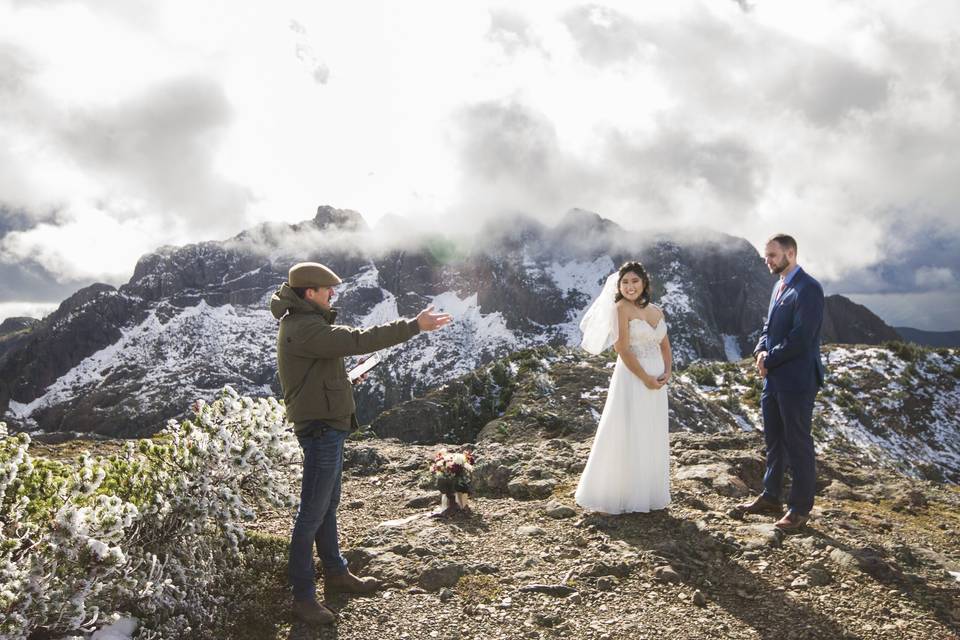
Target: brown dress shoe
pixel 349 583
pixel 761 505
pixel 312 612
pixel 791 522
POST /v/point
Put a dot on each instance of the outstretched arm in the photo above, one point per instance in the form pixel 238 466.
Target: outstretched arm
pixel 322 340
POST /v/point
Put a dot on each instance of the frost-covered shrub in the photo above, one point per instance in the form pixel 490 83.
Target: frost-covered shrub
pixel 149 531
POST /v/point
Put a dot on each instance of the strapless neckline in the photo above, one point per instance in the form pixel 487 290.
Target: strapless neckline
pixel 652 327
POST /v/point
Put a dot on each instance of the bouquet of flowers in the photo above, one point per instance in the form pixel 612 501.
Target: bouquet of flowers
pixel 452 472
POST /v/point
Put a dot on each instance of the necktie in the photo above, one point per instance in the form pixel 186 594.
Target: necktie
pixel 783 285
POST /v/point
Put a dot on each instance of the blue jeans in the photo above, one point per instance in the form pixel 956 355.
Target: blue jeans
pixel 317 517
pixel 787 419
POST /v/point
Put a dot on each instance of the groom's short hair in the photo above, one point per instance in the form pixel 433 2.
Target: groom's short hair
pixel 785 241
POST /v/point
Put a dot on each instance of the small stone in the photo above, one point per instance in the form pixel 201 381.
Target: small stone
pixel 530 530
pixel 525 488
pixel 423 500
pixel 818 576
pixel 801 582
pixel 438 577
pixel 843 559
pixel 760 536
pixel 556 590
pixel 574 598
pixel 666 573
pixel 558 511
pixel 699 599
pixel 605 583
pixel 546 619
pixel 445 594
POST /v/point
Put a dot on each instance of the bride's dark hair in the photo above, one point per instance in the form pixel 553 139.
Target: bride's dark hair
pixel 637 268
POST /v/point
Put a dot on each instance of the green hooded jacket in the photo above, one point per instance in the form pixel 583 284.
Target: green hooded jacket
pixel 310 351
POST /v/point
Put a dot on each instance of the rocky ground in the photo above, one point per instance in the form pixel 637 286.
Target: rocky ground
pixel 879 559
pixel 874 562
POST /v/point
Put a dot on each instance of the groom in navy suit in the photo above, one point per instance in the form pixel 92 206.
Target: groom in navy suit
pixel 788 358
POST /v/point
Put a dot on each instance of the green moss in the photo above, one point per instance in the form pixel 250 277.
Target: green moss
pixel 841 380
pixel 257 601
pixel 704 373
pixel 731 404
pixel 751 397
pixel 850 404
pixel 908 351
pixel 479 589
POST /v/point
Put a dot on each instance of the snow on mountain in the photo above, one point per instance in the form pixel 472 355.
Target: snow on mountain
pixel 894 406
pixel 194 318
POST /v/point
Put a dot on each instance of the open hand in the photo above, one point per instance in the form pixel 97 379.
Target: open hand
pixel 427 320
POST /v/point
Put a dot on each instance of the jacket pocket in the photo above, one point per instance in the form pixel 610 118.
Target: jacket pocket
pixel 339 396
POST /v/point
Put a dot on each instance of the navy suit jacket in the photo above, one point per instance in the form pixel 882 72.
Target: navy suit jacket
pixel 791 336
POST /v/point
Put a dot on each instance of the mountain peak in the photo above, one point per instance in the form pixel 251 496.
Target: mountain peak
pixel 343 219
pixel 846 321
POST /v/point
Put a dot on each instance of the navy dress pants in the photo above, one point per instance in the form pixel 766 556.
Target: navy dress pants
pixel 787 418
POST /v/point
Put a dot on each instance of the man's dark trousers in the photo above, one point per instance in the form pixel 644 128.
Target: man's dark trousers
pixel 316 522
pixel 787 418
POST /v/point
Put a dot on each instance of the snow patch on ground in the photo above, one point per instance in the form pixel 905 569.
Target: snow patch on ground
pixel 198 342
pixel 731 347
pixel 122 629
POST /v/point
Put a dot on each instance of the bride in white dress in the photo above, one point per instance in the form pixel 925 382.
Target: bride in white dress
pixel 629 465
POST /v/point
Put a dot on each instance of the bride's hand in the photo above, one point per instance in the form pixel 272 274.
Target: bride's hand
pixel 651 382
pixel 663 378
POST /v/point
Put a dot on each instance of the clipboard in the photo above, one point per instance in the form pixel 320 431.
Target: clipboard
pixel 364 367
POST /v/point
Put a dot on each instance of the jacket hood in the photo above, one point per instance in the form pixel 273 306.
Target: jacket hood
pixel 285 300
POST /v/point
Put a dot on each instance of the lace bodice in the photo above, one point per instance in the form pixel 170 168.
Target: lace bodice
pixel 644 339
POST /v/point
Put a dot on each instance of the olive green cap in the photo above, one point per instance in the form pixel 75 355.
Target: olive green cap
pixel 312 275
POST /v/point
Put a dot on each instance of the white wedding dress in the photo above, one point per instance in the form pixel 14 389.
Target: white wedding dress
pixel 629 465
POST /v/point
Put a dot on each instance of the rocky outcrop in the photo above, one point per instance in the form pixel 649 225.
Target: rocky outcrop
pixel 122 361
pixel 871 404
pixel 847 322
pixel 13 325
pixel 84 323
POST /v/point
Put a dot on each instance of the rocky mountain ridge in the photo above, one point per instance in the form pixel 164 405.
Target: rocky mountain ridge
pixel 120 362
pixel 930 338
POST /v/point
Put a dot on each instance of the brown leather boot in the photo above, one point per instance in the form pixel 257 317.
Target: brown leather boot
pixel 349 583
pixel 761 505
pixel 312 612
pixel 791 522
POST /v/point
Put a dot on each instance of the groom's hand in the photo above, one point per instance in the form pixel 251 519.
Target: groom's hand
pixel 427 320
pixel 761 364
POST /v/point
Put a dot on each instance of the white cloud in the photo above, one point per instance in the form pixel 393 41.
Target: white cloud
pixel 26 309
pixel 178 122
pixel 932 277
pixel 85 244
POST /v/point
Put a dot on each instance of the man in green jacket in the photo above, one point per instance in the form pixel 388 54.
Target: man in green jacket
pixel 319 401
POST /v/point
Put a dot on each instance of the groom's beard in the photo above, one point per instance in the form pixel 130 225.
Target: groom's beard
pixel 781 267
